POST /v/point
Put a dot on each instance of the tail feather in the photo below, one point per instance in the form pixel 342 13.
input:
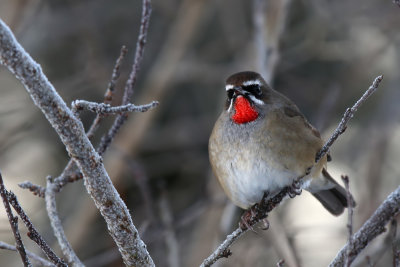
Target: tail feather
pixel 333 199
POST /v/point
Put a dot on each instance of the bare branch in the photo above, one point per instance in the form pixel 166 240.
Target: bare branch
pixel 32 232
pixel 33 256
pixel 109 92
pixel 260 213
pixel 395 250
pixel 72 134
pixel 57 226
pixel 347 116
pixel 373 227
pixel 349 198
pixel 35 189
pixel 223 250
pixel 130 83
pixel 102 108
pixel 14 224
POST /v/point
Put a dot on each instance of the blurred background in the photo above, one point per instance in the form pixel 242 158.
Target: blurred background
pixel 321 54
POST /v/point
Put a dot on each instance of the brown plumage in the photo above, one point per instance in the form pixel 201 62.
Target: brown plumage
pixel 264 153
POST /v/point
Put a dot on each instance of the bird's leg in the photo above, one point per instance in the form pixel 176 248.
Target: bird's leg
pixel 248 218
pixel 254 214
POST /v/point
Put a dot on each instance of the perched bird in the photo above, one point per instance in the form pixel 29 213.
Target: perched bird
pixel 261 143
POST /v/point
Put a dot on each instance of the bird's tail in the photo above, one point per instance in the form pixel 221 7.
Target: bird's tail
pixel 333 199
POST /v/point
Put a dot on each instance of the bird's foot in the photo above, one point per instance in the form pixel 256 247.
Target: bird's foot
pixel 254 214
pixel 265 224
pixel 294 189
pixel 248 218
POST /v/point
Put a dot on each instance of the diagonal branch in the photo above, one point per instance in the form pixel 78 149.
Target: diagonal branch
pixel 373 227
pixel 347 116
pixel 55 221
pixel 72 134
pixel 130 83
pixel 32 232
pixel 14 224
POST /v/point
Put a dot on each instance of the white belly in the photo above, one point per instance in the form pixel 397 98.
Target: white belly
pixel 248 180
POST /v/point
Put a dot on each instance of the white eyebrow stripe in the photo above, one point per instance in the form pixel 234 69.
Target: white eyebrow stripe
pixel 252 82
pixel 256 100
pixel 229 87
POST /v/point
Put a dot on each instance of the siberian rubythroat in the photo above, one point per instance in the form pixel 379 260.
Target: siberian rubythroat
pixel 262 142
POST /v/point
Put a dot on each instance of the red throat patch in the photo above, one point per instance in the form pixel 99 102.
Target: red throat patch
pixel 244 112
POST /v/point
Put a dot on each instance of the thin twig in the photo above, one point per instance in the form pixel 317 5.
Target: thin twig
pixel 130 83
pixel 373 227
pixel 56 225
pixel 33 233
pixel 39 260
pixel 347 116
pixel 14 224
pixel 37 190
pixel 73 136
pixel 349 198
pixel 102 108
pixel 109 92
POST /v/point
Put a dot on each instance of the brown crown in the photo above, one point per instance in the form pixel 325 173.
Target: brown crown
pixel 239 78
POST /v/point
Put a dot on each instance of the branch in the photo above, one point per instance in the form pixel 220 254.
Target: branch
pixel 110 90
pixel 373 227
pixel 349 198
pixel 130 83
pixel 346 117
pixel 56 225
pixel 14 224
pixel 33 256
pixel 72 134
pixel 37 190
pixel 33 233
pixel 261 211
pixel 103 108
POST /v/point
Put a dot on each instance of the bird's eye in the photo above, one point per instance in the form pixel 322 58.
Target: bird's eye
pixel 230 93
pixel 253 89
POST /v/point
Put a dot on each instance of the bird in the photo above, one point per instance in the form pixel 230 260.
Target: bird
pixel 262 143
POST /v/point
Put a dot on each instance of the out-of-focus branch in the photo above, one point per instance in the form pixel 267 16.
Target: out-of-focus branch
pixel 14 224
pixel 373 227
pixel 269 20
pixel 33 233
pixel 102 108
pixel 33 256
pixel 170 237
pixel 73 135
pixel 347 116
pixel 58 230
